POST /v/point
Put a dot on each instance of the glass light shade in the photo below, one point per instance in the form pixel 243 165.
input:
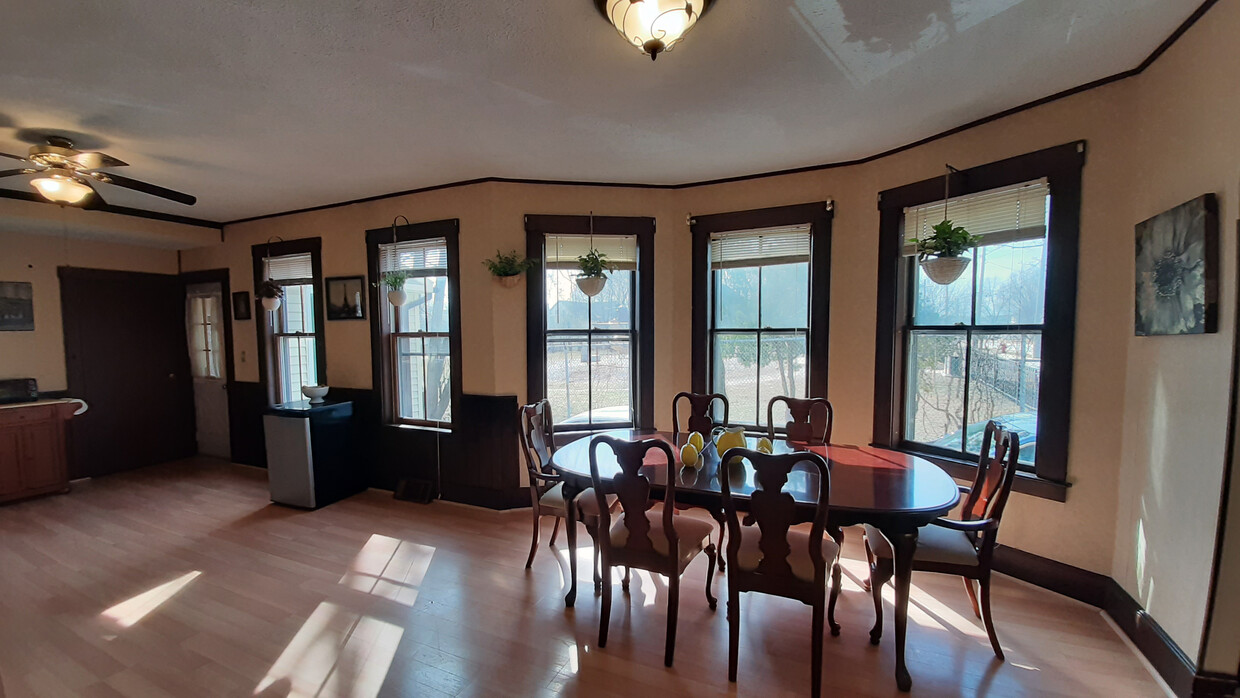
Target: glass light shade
pixel 654 26
pixel 61 187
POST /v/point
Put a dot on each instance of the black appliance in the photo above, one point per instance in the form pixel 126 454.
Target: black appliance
pixel 18 390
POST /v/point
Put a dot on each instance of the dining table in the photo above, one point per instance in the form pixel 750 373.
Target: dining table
pixel 896 492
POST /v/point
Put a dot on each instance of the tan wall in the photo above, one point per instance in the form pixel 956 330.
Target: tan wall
pixel 1148 414
pixel 34 258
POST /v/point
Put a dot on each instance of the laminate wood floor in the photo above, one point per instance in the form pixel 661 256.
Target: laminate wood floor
pixel 183 580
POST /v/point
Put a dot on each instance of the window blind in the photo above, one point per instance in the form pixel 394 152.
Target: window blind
pixel 750 248
pixel 1007 214
pixel 427 257
pixel 562 251
pixel 293 267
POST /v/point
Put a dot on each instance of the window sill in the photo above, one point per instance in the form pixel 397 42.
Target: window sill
pixel 419 427
pixel 1025 483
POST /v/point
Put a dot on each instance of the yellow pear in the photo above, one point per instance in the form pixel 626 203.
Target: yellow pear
pixel 689 455
pixel 698 442
pixel 765 446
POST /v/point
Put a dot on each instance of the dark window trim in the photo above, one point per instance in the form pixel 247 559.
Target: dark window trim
pixel 819 215
pixel 449 230
pixel 539 226
pixel 1062 166
pixel 266 367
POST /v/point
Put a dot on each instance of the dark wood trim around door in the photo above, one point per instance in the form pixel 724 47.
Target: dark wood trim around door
pixel 262 319
pixel 819 215
pixel 537 227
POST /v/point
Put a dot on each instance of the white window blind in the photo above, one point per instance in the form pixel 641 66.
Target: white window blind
pixel 1007 214
pixel 751 248
pixel 421 257
pixel 563 250
pixel 293 267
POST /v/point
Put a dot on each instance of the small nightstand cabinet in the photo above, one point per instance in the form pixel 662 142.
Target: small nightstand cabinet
pixel 32 449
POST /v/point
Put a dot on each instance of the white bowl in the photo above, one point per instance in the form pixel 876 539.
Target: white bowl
pixel 314 392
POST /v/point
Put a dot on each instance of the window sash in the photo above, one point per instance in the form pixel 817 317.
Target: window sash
pixel 307 363
pixel 393 345
pixel 759 406
pixel 589 334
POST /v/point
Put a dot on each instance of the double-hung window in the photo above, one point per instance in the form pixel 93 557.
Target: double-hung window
pixel 759 317
pixel 418 332
pixel 294 327
pixel 974 346
pixel 591 342
pixel 997 342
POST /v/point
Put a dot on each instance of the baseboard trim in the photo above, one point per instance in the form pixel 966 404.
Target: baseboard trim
pixel 487 497
pixel 1172 664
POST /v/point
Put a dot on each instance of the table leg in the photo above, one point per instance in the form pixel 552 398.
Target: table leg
pixel 904 545
pixel 570 524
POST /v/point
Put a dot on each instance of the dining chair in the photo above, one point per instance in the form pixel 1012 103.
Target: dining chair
pixel 962 547
pixel 771 556
pixel 811 421
pixel 546 488
pixel 702 421
pixel 644 538
pixel 700 418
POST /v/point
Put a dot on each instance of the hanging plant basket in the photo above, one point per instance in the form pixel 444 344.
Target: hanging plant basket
pixel 508 281
pixel 944 270
pixel 271 304
pixel 591 285
pixel 397 298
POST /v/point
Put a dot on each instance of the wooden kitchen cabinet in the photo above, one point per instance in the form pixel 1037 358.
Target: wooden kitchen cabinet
pixel 32 449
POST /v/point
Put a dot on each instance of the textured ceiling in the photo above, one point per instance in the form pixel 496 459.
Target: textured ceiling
pixel 269 105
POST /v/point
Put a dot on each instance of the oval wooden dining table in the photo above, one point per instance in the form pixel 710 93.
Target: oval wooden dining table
pixel 896 492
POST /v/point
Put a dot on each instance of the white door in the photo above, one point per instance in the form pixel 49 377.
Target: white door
pixel 204 325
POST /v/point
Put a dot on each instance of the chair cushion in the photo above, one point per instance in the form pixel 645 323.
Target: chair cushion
pixel 934 544
pixel 798 557
pixel 692 534
pixel 587 503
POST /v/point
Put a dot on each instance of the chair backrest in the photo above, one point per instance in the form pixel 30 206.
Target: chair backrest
pixel 774 511
pixel 811 423
pixel 537 441
pixel 996 471
pixel 700 418
pixel 633 490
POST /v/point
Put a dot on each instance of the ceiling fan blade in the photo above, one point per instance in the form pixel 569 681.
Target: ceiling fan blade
pixel 10 173
pixel 93 161
pixel 15 157
pixel 152 189
pixel 94 201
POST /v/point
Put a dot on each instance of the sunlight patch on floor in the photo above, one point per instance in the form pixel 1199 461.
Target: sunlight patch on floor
pixel 132 610
pixel 389 568
pixel 335 653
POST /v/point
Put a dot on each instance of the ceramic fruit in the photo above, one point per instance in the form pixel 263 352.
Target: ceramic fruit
pixel 698 442
pixel 689 455
pixel 765 446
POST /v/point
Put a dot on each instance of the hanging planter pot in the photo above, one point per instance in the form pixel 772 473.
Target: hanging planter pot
pixel 508 281
pixel 270 293
pixel 591 285
pixel 507 269
pixel 271 304
pixel 397 298
pixel 944 270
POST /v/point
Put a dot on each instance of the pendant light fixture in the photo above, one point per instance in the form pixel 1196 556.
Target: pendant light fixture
pixel 59 185
pixel 653 26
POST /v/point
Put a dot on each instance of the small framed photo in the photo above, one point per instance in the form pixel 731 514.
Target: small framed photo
pixel 16 306
pixel 242 309
pixel 346 297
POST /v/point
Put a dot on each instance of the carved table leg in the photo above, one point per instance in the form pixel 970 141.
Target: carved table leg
pixel 571 490
pixel 904 545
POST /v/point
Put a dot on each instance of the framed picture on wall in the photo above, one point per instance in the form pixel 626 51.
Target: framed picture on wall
pixel 1177 270
pixel 346 297
pixel 241 305
pixel 16 306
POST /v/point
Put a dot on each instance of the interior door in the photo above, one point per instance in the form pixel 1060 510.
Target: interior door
pixel 126 356
pixel 204 326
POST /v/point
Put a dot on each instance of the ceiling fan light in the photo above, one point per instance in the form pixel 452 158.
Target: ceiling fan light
pixel 61 187
pixel 654 26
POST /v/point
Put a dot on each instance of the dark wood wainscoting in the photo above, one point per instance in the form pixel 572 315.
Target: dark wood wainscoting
pixel 477 464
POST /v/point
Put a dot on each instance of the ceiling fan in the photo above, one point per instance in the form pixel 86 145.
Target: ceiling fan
pixel 66 175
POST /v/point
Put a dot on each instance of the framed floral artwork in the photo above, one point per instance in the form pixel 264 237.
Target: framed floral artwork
pixel 1177 270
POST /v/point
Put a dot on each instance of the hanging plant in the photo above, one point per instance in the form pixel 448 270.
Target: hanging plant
pixel 270 293
pixel 507 268
pixel 592 277
pixel 941 254
pixel 394 282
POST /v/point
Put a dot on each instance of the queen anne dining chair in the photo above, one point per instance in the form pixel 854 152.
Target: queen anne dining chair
pixel 772 556
pixel 965 547
pixel 546 488
pixel 644 537
pixel 811 419
pixel 702 421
